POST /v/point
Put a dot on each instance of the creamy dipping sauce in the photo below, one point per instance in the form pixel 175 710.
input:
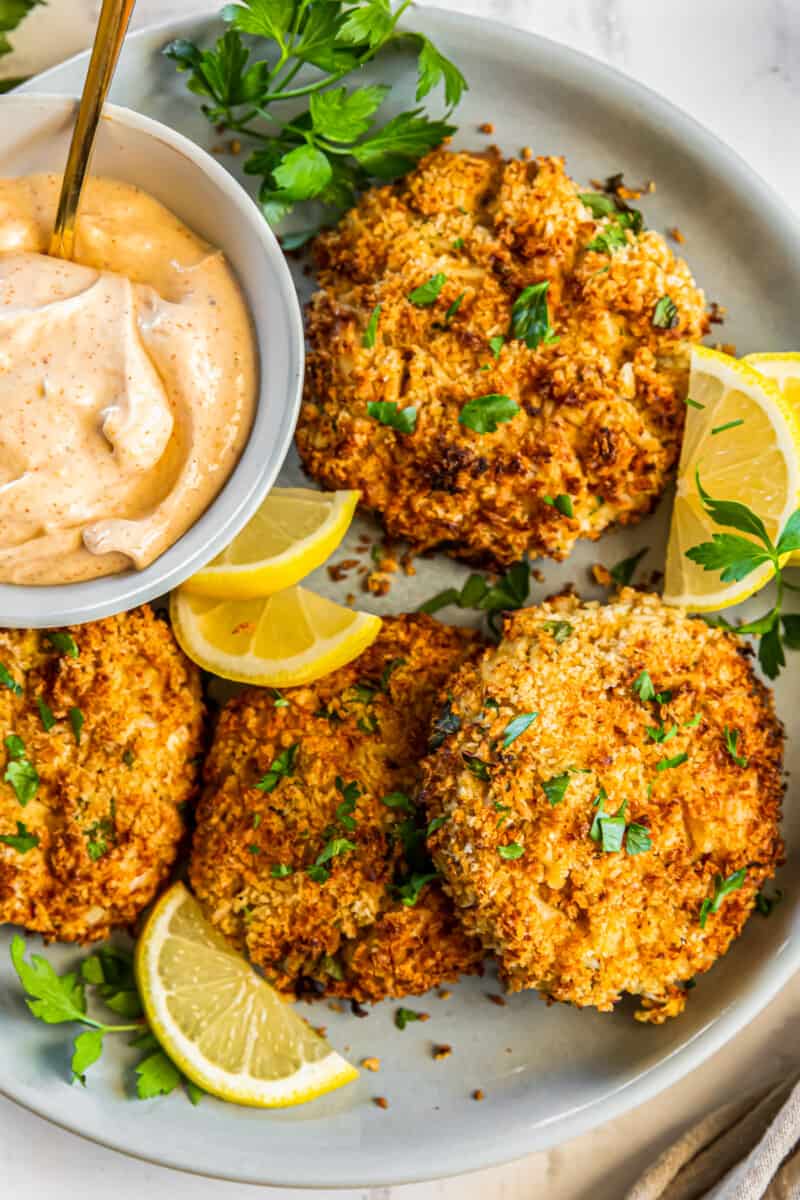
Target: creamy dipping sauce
pixel 127 382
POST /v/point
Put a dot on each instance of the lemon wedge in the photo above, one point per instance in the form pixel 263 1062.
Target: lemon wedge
pixel 219 1021
pixel 285 640
pixel 292 534
pixel 744 439
pixel 784 370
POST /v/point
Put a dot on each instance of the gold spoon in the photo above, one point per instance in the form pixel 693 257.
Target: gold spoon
pixel 111 28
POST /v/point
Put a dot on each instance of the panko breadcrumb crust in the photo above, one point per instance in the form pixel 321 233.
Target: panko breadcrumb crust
pixel 108 807
pixel 366 724
pixel 602 407
pixel 582 924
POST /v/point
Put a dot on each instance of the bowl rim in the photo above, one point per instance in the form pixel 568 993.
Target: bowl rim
pixel 43 606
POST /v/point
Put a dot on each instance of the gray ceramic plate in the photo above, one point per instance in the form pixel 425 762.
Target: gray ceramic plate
pixel 548 1074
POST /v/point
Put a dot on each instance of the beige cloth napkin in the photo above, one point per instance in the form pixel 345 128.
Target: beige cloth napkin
pixel 748 1150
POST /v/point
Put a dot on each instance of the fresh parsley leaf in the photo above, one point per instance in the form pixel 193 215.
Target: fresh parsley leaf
pixel 733 514
pixel 410 889
pixel 660 734
pixel 731 742
pixel 665 314
pixel 530 317
pixel 194 1092
pixel 76 722
pixel 637 839
pixel 562 502
pixel 791 630
pixel 371 332
pixel 369 22
pixel 52 998
pixel 555 788
pixel 765 904
pixel 303 173
pixel 558 630
pixel 770 652
pixel 296 240
pixel 396 148
pixel 398 800
pixel 20 773
pixel 666 764
pixel 612 831
pixel 156 1075
pixel 435 825
pixel 432 66
pixel 441 600
pixel 734 556
pixel 511 852
pixel 11 13
pixel 87 1049
pixel 453 308
pixel 722 888
pixel 789 539
pixel 386 412
pixel 403 1015
pixel 46 714
pixel 608 239
pixel 427 293
pixel 281 870
pixel 598 203
pixel 516 727
pixel 476 766
pixel 332 849
pixel 496 345
pixel 281 768
pixel 8 680
pixel 643 686
pixel 262 18
pixel 64 643
pixel 21 841
pixel 485 413
pixel 343 116
pixel 15 746
pixel 97 836
pixel 623 572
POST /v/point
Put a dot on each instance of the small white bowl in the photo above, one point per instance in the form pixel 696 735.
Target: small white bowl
pixel 138 150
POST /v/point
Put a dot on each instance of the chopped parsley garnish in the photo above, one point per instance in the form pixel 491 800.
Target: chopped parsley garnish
pixel 281 768
pixel 731 743
pixel 64 643
pixel 20 773
pixel 476 766
pixel 334 847
pixel 409 890
pixel 666 764
pixel 660 734
pixel 388 671
pixel 727 425
pixel 458 244
pixel 637 839
pixel 765 904
pixel 485 413
pixel 331 967
pixel 508 592
pixel 722 888
pixel 400 801
pixel 445 723
pixel 693 723
pixel 434 825
pixel 387 412
pixel 278 700
pixel 562 502
pixel 97 838
pixel 558 630
pixel 612 237
pixel 129 758
pixel 403 1015
pixel 281 870
pixel 427 293
pixel 254 849
pixel 606 828
pixel 453 309
pixel 555 788
pixel 370 333
pixel 76 722
pixel 623 572
pixel 496 344
pixel 694 403
pixel 599 204
pixel 257 819
pixel 512 851
pixel 643 686
pixel 350 793
pixel 530 317
pixel 514 728
pixel 665 313
pixel 8 680
pixel 46 714
pixel 21 841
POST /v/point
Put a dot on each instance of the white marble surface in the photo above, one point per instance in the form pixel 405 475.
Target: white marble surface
pixel 736 68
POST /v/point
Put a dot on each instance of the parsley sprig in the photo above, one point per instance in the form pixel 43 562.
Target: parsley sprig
pixel 510 591
pixel 61 1000
pixel 330 149
pixel 736 556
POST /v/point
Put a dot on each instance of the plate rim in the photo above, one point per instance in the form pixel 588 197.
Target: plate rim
pixel 711 1037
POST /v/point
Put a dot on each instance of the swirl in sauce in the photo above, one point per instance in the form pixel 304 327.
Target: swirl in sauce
pixel 127 382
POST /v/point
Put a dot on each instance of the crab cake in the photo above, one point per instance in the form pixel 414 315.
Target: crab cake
pixel 101 728
pixel 566 333
pixel 609 796
pixel 309 851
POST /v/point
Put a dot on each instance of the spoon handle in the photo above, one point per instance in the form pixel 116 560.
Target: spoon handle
pixel 111 28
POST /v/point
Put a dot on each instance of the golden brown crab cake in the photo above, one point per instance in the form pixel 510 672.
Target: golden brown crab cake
pixel 593 413
pixel 309 851
pixel 101 728
pixel 615 841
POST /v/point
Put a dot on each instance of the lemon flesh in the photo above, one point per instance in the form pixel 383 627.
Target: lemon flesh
pixel 745 443
pixel 284 640
pixel 219 1021
pixel 293 532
